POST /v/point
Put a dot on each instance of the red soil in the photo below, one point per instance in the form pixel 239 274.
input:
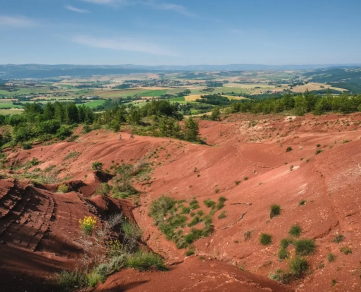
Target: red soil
pixel 241 146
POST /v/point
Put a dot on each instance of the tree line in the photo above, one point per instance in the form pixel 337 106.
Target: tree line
pixel 42 123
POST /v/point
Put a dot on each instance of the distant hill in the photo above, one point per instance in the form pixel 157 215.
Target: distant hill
pixel 347 78
pixel 39 71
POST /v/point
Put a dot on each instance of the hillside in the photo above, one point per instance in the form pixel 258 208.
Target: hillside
pixel 309 166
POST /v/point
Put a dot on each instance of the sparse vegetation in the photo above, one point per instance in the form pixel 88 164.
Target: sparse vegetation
pixel 265 239
pixel 222 215
pixel 97 166
pixel 295 230
pixel 275 211
pixel 346 250
pixel 304 247
pixel 63 188
pixel 339 238
pixel 88 224
pixel 331 257
pixel 74 154
pixel 288 149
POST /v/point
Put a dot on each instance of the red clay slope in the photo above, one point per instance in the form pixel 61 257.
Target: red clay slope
pixel 253 147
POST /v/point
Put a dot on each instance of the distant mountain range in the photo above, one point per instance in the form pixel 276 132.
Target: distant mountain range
pixel 38 71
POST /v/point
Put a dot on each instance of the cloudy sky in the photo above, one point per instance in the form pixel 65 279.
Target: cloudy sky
pixel 180 32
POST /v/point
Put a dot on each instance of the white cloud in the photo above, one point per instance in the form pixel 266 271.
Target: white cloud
pixel 17 21
pixel 103 2
pixel 72 8
pixel 123 44
pixel 155 4
pixel 171 7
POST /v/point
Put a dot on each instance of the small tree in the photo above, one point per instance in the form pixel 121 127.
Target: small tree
pixel 216 114
pixel 191 130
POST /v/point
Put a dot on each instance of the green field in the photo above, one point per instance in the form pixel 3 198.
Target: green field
pixel 6 112
pixel 7 105
pixel 94 104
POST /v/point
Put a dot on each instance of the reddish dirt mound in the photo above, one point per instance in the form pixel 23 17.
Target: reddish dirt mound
pixel 39 235
pixel 192 275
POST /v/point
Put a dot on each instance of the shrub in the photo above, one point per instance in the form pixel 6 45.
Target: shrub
pixel 289 149
pixel 237 182
pixel 318 151
pixel 298 266
pixel 97 166
pixel 26 145
pixel 88 224
pixel 302 202
pixel 209 203
pixel 282 253
pixel 346 250
pixel 194 204
pixel 295 230
pixel 103 189
pixel 222 215
pixel 195 221
pixel 71 280
pixel 190 252
pixel 331 257
pixel 247 235
pixel 285 242
pixel 132 231
pixel 221 202
pixel 86 129
pixel 63 189
pixel 304 247
pixel 71 155
pixel 275 211
pixel 265 239
pixel 94 278
pixel 143 260
pixel 339 238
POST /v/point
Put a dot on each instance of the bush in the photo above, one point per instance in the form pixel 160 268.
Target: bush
pixel 86 129
pixel 339 238
pixel 331 257
pixel 289 149
pixel 222 215
pixel 209 203
pixel 71 280
pixel 304 247
pixel 63 132
pixel 221 202
pixel 282 253
pixel 265 239
pixel 63 189
pixel 275 211
pixel 103 189
pixel 26 145
pixel 143 260
pixel 97 166
pixel 285 242
pixel 94 278
pixel 298 266
pixel 346 250
pixel 295 230
pixel 132 231
pixel 318 151
pixel 88 224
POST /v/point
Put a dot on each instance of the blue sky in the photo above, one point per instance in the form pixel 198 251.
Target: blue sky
pixel 175 32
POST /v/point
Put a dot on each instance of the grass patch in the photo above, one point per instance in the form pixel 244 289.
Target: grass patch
pixel 143 260
pixel 295 230
pixel 346 250
pixel 63 189
pixel 70 280
pixel 275 211
pixel 222 215
pixel 72 155
pixel 304 247
pixel 331 257
pixel 339 238
pixel 265 239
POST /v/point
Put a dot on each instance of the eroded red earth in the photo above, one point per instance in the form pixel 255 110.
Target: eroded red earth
pixel 40 235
